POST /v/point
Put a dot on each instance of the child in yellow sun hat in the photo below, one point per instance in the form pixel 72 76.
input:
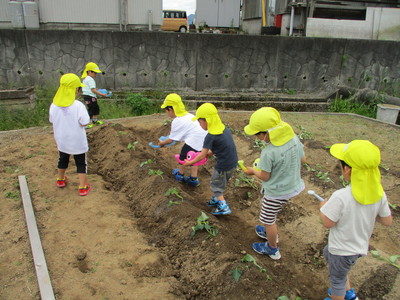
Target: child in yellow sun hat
pixel 90 92
pixel 350 212
pixel 186 130
pixel 218 142
pixel 278 168
pixel 69 117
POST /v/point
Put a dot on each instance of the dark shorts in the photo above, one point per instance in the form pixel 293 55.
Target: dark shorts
pixel 80 162
pixel 184 151
pixel 92 105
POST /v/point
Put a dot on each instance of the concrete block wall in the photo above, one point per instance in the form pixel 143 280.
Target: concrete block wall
pixel 200 62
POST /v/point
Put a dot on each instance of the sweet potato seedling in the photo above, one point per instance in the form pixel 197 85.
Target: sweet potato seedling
pixel 156 173
pixel 146 162
pixel 202 224
pixel 391 260
pixel 132 145
pixel 174 191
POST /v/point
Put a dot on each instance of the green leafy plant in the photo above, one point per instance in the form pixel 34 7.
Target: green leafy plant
pixel 290 91
pixel 237 272
pixel 140 104
pixel 391 260
pixel 174 191
pixel 259 144
pixel 344 181
pixel 393 206
pixel 156 173
pixel 121 133
pixel 324 176
pixel 246 180
pixel 248 258
pixel 146 162
pixel 202 224
pixel 304 133
pixel 12 195
pixel 132 145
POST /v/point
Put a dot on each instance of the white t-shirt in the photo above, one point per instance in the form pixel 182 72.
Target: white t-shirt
pixel 67 123
pixel 90 84
pixel 354 222
pixel 183 129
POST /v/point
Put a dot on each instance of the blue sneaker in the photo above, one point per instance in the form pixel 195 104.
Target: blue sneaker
pixel 264 248
pixel 350 294
pixel 260 230
pixel 221 209
pixel 178 176
pixel 213 202
pixel 193 181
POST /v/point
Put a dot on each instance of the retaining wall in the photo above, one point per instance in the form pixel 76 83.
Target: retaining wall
pixel 199 62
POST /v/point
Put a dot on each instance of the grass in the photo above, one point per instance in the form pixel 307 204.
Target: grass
pixel 125 105
pixel 359 108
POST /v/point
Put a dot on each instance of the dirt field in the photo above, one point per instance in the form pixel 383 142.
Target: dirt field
pixel 123 241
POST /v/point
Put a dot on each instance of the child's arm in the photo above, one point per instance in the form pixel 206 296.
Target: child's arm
pixel 328 223
pixel 95 91
pixel 162 143
pixel 263 175
pixel 387 221
pixel 198 158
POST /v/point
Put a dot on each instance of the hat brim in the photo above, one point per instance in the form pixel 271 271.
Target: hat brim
pixel 336 150
pixel 164 105
pixel 195 118
pixel 97 71
pixel 250 131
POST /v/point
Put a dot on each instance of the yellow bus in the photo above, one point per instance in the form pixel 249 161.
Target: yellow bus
pixel 174 20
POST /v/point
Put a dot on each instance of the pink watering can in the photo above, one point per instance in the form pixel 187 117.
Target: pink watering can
pixel 190 156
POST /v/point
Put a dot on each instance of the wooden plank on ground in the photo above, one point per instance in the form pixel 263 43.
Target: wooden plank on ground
pixel 46 290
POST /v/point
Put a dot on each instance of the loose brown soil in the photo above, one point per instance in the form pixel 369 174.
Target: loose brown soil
pixel 123 241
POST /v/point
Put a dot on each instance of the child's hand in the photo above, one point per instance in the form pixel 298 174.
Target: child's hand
pixel 249 171
pixel 187 162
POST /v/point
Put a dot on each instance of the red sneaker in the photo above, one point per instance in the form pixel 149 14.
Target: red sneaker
pixel 62 182
pixel 83 191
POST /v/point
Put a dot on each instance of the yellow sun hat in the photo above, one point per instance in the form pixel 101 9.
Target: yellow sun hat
pixel 66 93
pixel 90 67
pixel 268 119
pixel 175 101
pixel 364 158
pixel 209 112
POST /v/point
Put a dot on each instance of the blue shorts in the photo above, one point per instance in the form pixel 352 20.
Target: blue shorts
pixel 339 266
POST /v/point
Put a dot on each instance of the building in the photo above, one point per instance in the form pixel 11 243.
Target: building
pixel 121 15
pixel 356 19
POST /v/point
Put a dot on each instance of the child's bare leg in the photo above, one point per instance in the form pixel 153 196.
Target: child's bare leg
pixel 194 171
pixel 272 233
pixel 181 169
pixel 82 179
pixel 61 173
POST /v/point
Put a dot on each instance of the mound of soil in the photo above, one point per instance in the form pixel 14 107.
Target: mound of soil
pixel 132 237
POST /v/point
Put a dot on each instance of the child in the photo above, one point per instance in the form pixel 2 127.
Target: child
pixel 350 213
pixel 219 142
pixel 90 91
pixel 183 129
pixel 279 170
pixel 69 117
